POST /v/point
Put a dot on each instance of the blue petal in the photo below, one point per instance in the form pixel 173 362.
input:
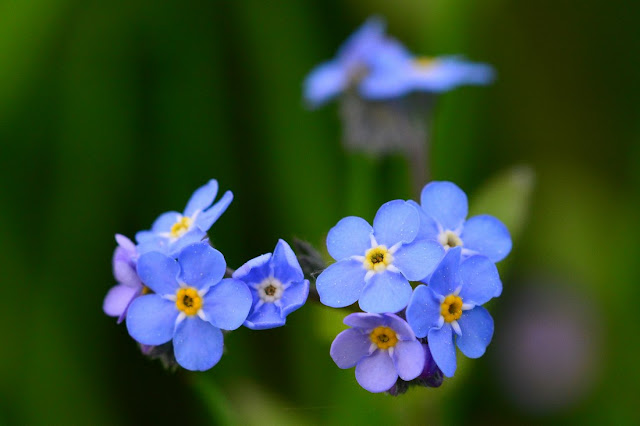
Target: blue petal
pixel 150 241
pixel 255 270
pixel 349 347
pixel 446 203
pixel 442 349
pixel 118 298
pixel 164 222
pixel 418 259
pixel 364 41
pixel 193 235
pixel 396 221
pixel 285 264
pixel 201 265
pixel 202 198
pixel 364 321
pixel 390 56
pixel 151 319
pixel 400 326
pixel 423 311
pixel 197 344
pixel 446 278
pixel 265 317
pixel 227 304
pixel 447 73
pixel 350 237
pixel 125 273
pixel 206 219
pixel 487 236
pixel 125 243
pixel 477 330
pixel 325 81
pixel 376 373
pixel 159 272
pixel 428 227
pixel 480 280
pixel 384 85
pixel 294 297
pixel 340 284
pixel 385 292
pixel 408 358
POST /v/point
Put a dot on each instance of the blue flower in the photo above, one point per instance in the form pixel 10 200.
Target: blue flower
pixel 172 231
pixel 190 305
pixel 331 78
pixel 381 347
pixel 442 216
pixel 375 265
pixel 277 285
pixel 448 311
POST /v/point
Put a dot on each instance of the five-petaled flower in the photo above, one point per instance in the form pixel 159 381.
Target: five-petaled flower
pixel 382 347
pixel 277 285
pixel 448 310
pixel 190 304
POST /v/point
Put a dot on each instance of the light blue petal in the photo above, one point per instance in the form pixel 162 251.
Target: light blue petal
pixel 164 222
pixel 325 82
pixel 487 236
pixel 285 264
pixel 419 259
pixel 364 321
pixel 383 85
pixel 202 198
pixel 423 311
pixel 396 221
pixel 117 300
pixel 197 344
pixel 151 319
pixel 446 203
pixel 125 273
pixel 480 280
pixel 447 73
pixel 349 347
pixel 350 237
pixel 206 219
pixel 265 317
pixel 385 292
pixel 376 373
pixel 255 270
pixel 408 358
pixel 477 330
pixel 294 297
pixel 144 236
pixel 193 235
pixel 428 227
pixel 446 278
pixel 227 304
pixel 159 272
pixel 201 265
pixel 364 41
pixel 340 284
pixel 400 326
pixel 390 56
pixel 442 349
pixel 150 241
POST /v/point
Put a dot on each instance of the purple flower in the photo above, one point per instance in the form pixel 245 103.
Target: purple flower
pixel 382 347
pixel 190 305
pixel 129 284
pixel 172 231
pixel 277 285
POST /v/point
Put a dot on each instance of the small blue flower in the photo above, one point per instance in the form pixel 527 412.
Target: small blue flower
pixel 277 285
pixel 375 265
pixel 442 216
pixel 381 347
pixel 129 284
pixel 172 231
pixel 448 311
pixel 190 305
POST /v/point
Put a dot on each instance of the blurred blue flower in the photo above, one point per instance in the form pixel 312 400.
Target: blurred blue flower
pixel 451 304
pixel 190 305
pixel 442 217
pixel 277 285
pixel 172 231
pixel 381 347
pixel 375 265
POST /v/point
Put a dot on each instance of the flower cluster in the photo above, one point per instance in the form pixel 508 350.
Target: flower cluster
pixel 407 333
pixel 173 292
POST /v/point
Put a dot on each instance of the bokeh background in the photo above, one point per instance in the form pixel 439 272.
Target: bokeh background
pixel 113 112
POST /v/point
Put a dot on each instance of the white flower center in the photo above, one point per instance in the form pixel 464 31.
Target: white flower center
pixel 270 290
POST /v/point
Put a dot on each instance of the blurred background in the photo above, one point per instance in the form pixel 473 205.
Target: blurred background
pixel 114 112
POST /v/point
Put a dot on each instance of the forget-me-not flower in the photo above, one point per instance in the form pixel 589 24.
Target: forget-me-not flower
pixel 190 304
pixel 277 285
pixel 172 230
pixel 381 347
pixel 448 311
pixel 375 264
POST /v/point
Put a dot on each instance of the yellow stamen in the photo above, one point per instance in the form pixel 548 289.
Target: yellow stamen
pixel 424 62
pixel 180 227
pixel 451 308
pixel 377 259
pixel 383 337
pixel 145 290
pixel 188 300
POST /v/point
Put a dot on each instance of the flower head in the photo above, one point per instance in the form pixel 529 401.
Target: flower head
pixel 277 285
pixel 190 304
pixel 375 264
pixel 381 347
pixel 448 312
pixel 172 231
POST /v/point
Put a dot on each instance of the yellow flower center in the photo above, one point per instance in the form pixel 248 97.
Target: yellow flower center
pixel 377 258
pixel 188 300
pixel 424 62
pixel 383 337
pixel 449 239
pixel 145 290
pixel 451 308
pixel 180 227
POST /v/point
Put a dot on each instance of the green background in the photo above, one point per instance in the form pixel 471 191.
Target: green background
pixel 114 112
